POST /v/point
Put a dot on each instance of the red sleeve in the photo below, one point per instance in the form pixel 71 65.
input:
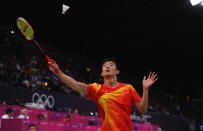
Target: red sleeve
pixel 92 91
pixel 135 96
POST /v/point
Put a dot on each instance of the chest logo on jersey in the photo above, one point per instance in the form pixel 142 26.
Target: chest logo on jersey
pixel 104 91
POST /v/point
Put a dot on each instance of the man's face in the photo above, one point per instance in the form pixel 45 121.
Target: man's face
pixel 25 113
pixel 76 111
pixel 32 128
pixel 11 114
pixel 45 117
pixel 69 110
pixel 109 69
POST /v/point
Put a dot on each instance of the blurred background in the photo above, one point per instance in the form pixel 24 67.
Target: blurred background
pixel 143 36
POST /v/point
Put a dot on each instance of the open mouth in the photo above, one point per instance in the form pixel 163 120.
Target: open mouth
pixel 107 70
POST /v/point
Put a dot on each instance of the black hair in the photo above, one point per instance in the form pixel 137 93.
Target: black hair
pixel 69 116
pixel 40 116
pixel 31 125
pixel 9 110
pixel 111 59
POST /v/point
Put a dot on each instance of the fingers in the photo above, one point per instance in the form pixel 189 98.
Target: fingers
pixel 50 68
pixel 53 66
pixel 152 76
pixel 144 78
pixel 150 73
pixel 53 61
pixel 156 79
pixel 50 63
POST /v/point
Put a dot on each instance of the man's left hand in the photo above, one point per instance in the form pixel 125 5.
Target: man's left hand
pixel 149 81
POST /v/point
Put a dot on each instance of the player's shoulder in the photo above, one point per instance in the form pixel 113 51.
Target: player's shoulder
pixel 125 84
pixel 95 85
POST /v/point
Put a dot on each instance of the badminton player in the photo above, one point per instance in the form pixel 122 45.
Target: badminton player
pixel 113 99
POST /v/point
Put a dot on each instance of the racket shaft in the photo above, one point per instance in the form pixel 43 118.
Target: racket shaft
pixel 47 57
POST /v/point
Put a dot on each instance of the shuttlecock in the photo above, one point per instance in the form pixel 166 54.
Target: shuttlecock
pixel 196 2
pixel 64 8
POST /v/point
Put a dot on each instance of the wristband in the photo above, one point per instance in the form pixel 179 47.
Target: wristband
pixel 57 70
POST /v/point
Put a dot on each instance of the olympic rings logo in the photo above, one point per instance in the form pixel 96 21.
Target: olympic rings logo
pixel 43 99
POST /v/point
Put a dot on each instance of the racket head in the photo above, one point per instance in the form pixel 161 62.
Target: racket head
pixel 25 28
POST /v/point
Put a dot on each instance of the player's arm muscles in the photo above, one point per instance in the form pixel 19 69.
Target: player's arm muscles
pixel 142 105
pixel 75 85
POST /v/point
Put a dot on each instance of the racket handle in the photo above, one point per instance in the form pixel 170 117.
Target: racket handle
pixel 48 59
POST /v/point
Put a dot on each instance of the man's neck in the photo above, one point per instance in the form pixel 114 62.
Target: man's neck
pixel 111 81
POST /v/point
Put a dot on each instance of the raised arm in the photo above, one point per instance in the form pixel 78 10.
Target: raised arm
pixel 143 104
pixel 75 85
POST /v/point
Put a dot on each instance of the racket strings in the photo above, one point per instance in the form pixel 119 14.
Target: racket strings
pixel 24 30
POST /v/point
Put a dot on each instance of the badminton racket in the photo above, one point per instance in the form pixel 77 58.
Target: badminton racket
pixel 28 32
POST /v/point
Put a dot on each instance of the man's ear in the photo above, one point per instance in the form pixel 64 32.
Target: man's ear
pixel 117 72
pixel 102 74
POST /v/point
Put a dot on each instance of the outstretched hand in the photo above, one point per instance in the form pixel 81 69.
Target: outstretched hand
pixel 150 80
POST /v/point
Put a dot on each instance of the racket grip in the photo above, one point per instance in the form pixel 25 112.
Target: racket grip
pixel 48 59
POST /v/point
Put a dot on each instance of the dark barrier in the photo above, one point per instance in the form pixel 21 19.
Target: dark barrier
pixel 170 123
pixel 10 93
pixel 166 122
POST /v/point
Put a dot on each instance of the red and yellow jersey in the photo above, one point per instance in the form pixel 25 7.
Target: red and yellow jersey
pixel 114 105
